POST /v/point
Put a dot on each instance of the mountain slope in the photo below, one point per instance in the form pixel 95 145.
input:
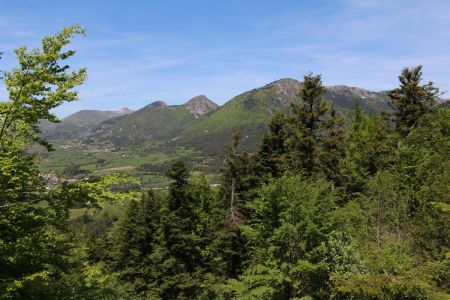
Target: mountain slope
pixel 89 117
pixel 201 124
pixel 78 123
pixel 250 112
pixel 156 122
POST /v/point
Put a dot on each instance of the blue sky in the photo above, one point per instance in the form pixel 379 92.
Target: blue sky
pixel 137 52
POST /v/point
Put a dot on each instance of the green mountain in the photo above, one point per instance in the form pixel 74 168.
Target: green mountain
pixel 156 122
pixel 78 123
pixel 91 117
pixel 203 125
pixel 250 112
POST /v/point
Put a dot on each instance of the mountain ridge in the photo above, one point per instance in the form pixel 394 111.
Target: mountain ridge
pixel 204 125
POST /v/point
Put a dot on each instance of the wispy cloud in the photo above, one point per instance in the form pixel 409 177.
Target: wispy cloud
pixel 174 54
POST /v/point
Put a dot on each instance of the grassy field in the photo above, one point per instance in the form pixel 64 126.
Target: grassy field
pixel 135 160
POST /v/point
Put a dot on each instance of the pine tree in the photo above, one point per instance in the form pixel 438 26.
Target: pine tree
pixel 308 140
pixel 330 151
pixel 134 239
pixel 369 147
pixel 238 180
pixel 271 156
pixel 127 253
pixel 173 264
pixel 304 124
pixel 293 217
pixel 411 101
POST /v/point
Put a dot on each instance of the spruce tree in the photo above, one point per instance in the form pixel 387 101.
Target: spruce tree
pixel 238 183
pixel 411 101
pixel 127 253
pixel 309 139
pixel 330 150
pixel 304 123
pixel 238 180
pixel 369 148
pixel 293 218
pixel 134 239
pixel 271 156
pixel 173 264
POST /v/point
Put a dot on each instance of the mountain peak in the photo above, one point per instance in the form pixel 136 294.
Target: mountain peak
pixel 200 105
pixel 156 104
pixel 355 91
pixel 124 110
pixel 286 80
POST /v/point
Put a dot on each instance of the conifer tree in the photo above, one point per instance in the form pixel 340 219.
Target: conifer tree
pixel 238 183
pixel 271 157
pixel 411 101
pixel 134 239
pixel 304 124
pixel 309 139
pixel 369 147
pixel 293 217
pixel 238 180
pixel 177 254
pixel 127 253
pixel 331 147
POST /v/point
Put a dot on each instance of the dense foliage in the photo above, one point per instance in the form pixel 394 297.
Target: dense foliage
pixel 324 209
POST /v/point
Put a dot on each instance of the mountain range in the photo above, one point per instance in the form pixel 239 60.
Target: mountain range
pixel 78 123
pixel 200 123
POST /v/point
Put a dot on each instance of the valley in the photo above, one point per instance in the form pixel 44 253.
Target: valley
pixel 147 141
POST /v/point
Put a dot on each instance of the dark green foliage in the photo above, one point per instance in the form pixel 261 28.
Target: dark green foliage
pixel 411 101
pixel 292 218
pixel 400 220
pixel 272 152
pixel 369 147
pixel 423 168
pixel 162 245
pixel 177 257
pixel 308 140
pixel 133 241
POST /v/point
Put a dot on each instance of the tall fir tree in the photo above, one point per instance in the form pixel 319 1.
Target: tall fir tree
pixel 177 255
pixel 271 156
pixel 133 241
pixel 304 124
pixel 411 101
pixel 307 140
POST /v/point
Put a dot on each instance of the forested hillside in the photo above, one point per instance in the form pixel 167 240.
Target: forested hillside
pixel 324 208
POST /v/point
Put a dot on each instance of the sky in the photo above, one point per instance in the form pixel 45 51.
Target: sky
pixel 138 52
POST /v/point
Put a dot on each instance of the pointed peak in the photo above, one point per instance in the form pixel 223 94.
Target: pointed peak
pixel 200 105
pixel 199 98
